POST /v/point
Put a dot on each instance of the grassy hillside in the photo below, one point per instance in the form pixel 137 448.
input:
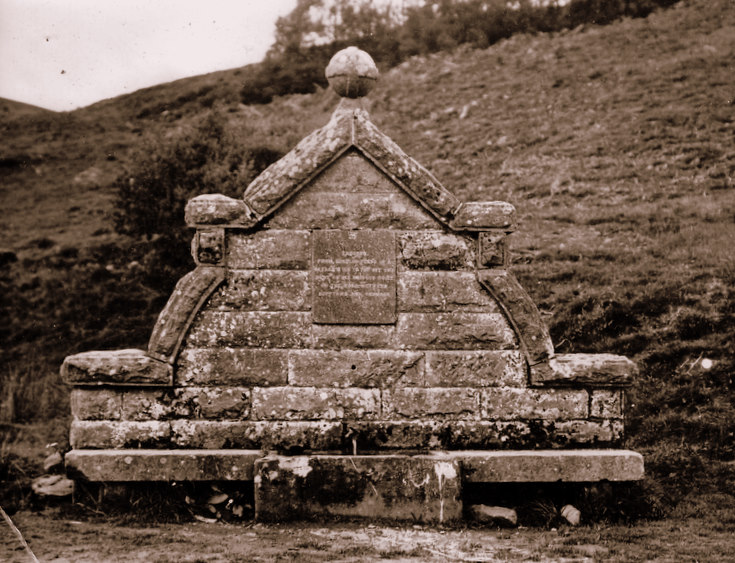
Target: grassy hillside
pixel 614 143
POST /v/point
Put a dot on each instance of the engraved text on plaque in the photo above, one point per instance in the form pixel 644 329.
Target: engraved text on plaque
pixel 353 276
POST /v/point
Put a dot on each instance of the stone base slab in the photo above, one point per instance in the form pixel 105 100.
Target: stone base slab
pixel 421 488
pixel 544 466
pixel 162 465
pixel 238 465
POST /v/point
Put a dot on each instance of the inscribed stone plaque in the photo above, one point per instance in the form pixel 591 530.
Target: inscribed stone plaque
pixel 353 277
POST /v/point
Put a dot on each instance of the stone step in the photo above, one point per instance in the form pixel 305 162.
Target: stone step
pixel 588 465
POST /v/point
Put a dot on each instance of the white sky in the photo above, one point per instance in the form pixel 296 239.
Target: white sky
pixel 64 54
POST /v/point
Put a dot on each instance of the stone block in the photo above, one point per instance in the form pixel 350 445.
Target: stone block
pixel 353 368
pixel 250 329
pixel 443 403
pixel 269 249
pixel 232 366
pixel 162 465
pixel 263 290
pixel 414 488
pixel 223 402
pixel 192 402
pixel 117 367
pixel 208 246
pixel 96 404
pixel 601 433
pixel 547 404
pixel 454 331
pixel 271 435
pixel 310 403
pixel 436 250
pixel 353 173
pixel 218 209
pixel 589 369
pixel 375 436
pixel 549 466
pixel 606 403
pixel 478 215
pixel 438 434
pixel 339 337
pixel 493 515
pixel 493 250
pixel 320 210
pixel 119 434
pixel 437 292
pixel 495 368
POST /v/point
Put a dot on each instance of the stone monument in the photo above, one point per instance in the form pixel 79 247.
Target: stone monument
pixel 353 342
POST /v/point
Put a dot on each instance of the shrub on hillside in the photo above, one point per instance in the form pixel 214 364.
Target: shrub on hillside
pixel 151 196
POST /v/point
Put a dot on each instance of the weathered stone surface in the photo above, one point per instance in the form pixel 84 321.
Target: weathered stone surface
pixel 52 486
pixel 263 290
pixel 190 402
pixel 315 210
pixel 119 434
pixel 351 73
pixel 232 366
pixel 218 209
pixel 571 514
pixel 353 368
pixel 437 292
pixel 208 247
pixel 189 295
pixel 339 337
pixel 550 466
pixel 496 368
pixel 549 404
pixel 162 465
pixel 286 176
pixel 118 367
pixel 589 369
pixel 250 329
pixel 606 403
pixel 493 250
pixel 485 215
pixel 418 488
pixel 372 436
pixel 271 435
pixel 353 173
pixel 436 250
pixel 310 403
pixel 444 403
pixel 353 275
pixel 494 515
pixel 413 177
pixel 589 432
pixel 454 331
pixel 96 404
pixel 270 249
pixel 521 312
pixel 141 405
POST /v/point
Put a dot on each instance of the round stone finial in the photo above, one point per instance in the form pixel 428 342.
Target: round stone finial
pixel 352 73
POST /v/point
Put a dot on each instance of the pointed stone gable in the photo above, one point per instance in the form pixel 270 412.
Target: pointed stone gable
pixel 349 129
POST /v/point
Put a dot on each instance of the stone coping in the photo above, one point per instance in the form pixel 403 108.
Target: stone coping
pixel 476 466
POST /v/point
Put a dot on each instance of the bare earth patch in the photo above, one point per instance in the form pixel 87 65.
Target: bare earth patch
pixel 58 539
